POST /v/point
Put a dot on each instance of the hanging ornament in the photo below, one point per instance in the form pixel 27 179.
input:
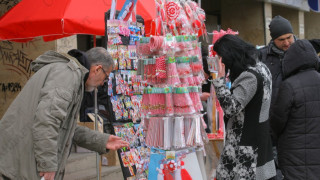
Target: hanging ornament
pixel 188 10
pixel 173 10
pixel 184 173
pixel 163 14
pixel 196 24
pixel 171 165
pixel 167 174
pixel 160 173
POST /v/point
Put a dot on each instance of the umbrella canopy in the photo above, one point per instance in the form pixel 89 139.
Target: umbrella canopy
pixel 53 19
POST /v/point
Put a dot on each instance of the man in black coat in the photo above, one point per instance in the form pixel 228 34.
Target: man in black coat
pixel 295 116
pixel 282 38
pixel 316 45
pixel 272 55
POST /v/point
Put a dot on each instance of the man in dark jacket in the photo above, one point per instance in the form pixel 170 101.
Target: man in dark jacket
pixel 316 45
pixel 271 55
pixel 295 117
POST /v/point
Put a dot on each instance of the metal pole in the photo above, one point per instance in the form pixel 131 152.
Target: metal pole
pixel 96 121
pixel 199 2
pixel 94 41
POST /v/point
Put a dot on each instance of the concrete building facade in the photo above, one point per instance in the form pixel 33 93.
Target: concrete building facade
pixel 251 18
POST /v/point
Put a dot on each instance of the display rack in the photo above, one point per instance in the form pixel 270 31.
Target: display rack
pixel 169 74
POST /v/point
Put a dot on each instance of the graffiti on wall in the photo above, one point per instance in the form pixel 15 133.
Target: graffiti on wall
pixel 9 3
pixel 15 60
pixel 10 87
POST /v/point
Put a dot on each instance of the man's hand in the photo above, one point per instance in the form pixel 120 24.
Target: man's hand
pixel 116 142
pixel 47 175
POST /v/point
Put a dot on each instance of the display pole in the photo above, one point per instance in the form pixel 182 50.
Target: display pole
pixel 98 160
pixel 216 143
pixel 106 31
pixel 214 123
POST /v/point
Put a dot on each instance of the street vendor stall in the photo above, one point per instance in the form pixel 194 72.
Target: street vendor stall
pixel 170 138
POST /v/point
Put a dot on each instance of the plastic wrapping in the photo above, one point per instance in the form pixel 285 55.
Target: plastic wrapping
pixel 169 45
pixel 195 97
pixel 157 102
pixel 172 72
pixel 188 81
pixel 178 139
pixel 169 101
pixel 167 132
pixel 185 42
pixel 143 46
pixel 149 71
pixel 147 74
pixel 191 132
pixel 183 66
pixel 156 44
pixel 182 101
pixel 198 138
pixel 145 101
pixel 153 72
pixel 196 65
pixel 161 73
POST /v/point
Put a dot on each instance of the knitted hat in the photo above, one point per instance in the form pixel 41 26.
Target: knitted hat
pixel 279 26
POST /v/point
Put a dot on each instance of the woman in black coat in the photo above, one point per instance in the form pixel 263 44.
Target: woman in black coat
pixel 295 117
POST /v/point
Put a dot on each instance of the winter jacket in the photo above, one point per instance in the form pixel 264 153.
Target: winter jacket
pixel 316 45
pixel 247 153
pixel 37 130
pixel 295 117
pixel 271 56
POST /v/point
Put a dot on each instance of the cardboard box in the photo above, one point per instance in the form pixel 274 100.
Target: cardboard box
pixel 112 159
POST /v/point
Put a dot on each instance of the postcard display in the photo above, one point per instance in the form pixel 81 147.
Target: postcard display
pixel 125 88
pixel 170 62
pixel 166 68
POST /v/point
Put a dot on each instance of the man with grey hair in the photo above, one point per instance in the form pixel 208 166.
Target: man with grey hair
pixel 39 127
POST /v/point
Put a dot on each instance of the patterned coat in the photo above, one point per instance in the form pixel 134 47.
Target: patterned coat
pixel 247 153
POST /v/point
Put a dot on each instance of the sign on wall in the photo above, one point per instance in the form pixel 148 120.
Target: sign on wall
pixel 314 5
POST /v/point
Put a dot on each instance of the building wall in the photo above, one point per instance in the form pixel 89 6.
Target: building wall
pixel 212 9
pixel 291 14
pixel 312 25
pixel 245 16
pixel 15 60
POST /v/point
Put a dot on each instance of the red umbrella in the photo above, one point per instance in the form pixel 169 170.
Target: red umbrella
pixel 53 19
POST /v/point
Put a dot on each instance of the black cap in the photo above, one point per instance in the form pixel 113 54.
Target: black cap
pixel 279 26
